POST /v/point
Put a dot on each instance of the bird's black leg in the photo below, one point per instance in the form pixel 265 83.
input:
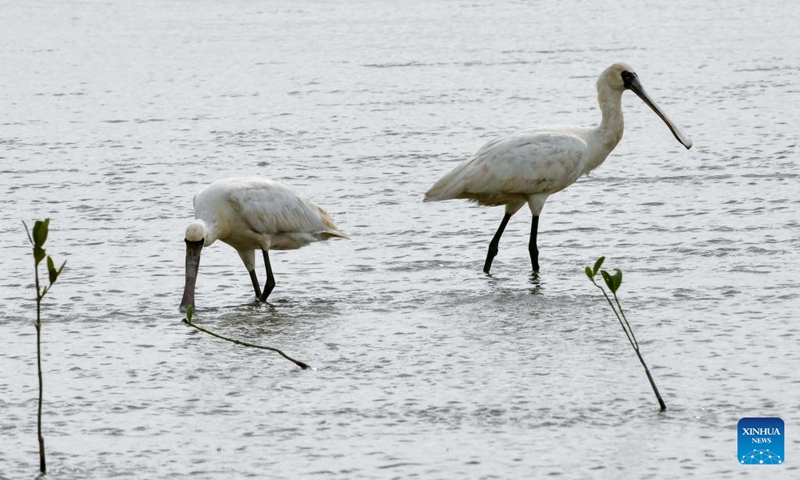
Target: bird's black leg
pixel 495 243
pixel 532 244
pixel 254 279
pixel 270 279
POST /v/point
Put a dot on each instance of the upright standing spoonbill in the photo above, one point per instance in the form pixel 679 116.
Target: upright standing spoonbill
pixel 530 165
pixel 252 214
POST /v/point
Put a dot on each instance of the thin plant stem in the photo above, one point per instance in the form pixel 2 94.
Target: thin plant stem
pixel 39 296
pixel 639 354
pixel 619 319
pixel 300 364
pixel 652 382
pixel 38 239
pixel 626 319
pixel 626 327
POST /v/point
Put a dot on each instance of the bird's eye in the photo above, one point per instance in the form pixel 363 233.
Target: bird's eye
pixel 628 78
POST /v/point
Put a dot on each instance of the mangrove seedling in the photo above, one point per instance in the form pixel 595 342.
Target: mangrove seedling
pixel 613 283
pixel 188 321
pixel 37 239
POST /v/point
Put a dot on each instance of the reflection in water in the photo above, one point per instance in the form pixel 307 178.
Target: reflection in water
pixel 536 282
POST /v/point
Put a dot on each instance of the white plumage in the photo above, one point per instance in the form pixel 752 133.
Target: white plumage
pixel 530 165
pixel 252 214
pixel 509 170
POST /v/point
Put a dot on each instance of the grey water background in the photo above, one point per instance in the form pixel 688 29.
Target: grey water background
pixel 113 114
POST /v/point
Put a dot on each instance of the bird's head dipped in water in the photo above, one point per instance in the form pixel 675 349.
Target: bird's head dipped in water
pixel 195 240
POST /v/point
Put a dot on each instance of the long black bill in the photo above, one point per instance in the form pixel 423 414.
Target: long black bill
pixel 633 83
pixel 192 265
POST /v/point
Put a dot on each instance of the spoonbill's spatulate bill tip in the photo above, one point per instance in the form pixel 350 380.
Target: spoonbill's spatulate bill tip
pixel 530 165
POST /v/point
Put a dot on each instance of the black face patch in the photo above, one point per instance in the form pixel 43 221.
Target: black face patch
pixel 190 243
pixel 628 78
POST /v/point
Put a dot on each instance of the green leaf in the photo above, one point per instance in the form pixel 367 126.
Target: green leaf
pixel 40 229
pixel 189 312
pixel 51 269
pixel 613 281
pixel 38 254
pixel 607 279
pixel 589 273
pixel 617 279
pixel 597 265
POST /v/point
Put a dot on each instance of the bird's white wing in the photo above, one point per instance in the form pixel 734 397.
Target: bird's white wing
pixel 522 163
pixel 270 207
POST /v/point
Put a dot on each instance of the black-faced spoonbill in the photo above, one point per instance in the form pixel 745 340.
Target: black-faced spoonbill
pixel 530 165
pixel 252 214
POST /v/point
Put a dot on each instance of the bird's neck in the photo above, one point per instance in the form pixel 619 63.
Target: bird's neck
pixel 612 125
pixel 609 133
pixel 211 231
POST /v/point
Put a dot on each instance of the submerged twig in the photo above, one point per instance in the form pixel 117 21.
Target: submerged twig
pixel 613 282
pixel 188 321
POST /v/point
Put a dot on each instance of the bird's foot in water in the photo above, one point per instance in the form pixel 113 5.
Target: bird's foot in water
pixel 487 266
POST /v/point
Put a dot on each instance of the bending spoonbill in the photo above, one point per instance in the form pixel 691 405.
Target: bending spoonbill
pixel 252 214
pixel 530 165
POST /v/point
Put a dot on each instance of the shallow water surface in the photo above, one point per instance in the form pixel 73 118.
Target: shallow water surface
pixel 114 114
